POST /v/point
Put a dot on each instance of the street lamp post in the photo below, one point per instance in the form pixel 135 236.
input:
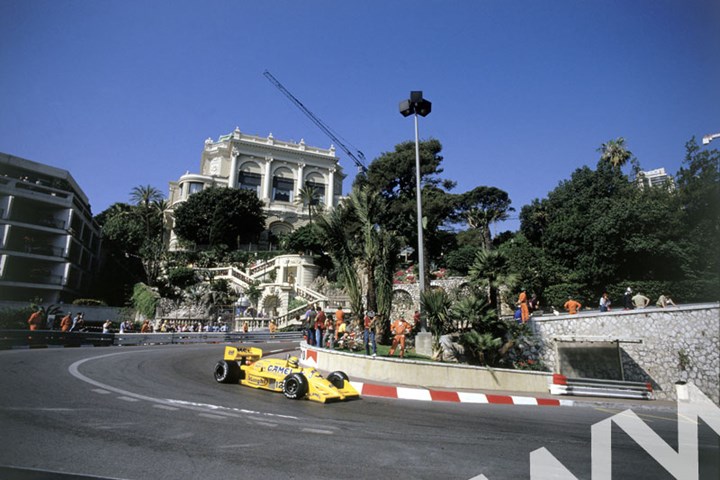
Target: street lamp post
pixel 709 138
pixel 417 105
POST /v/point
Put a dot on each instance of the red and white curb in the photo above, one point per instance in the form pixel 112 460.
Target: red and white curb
pixel 431 395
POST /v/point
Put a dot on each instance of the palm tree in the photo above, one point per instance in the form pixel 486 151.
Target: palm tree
pixel 144 195
pixel 308 197
pixel 436 305
pixel 489 271
pixel 615 152
pixel 333 232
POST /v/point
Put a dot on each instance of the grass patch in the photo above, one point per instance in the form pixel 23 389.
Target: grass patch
pixel 384 351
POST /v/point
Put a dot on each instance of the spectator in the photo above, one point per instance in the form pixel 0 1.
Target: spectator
pixel 273 326
pixel 146 327
pixel 572 306
pixel 330 329
pixel 369 333
pixel 66 322
pixel 664 301
pixel 107 326
pixel 399 329
pixel 533 304
pixel 339 315
pixel 319 327
pixel 627 299
pixel 640 300
pixel 523 304
pixel 605 302
pixel 245 326
pixel 36 319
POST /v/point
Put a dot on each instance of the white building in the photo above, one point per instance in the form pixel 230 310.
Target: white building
pixel 276 170
pixel 49 241
pixel 655 178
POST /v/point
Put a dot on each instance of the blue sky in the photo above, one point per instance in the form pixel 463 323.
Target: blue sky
pixel 124 93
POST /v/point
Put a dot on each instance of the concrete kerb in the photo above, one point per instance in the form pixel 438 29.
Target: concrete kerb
pixel 430 381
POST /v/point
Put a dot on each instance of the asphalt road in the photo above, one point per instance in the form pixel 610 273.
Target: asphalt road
pixel 156 412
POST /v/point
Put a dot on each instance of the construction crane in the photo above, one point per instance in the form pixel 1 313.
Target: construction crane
pixel 358 157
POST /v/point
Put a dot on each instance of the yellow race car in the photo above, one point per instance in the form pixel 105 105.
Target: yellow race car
pixel 246 365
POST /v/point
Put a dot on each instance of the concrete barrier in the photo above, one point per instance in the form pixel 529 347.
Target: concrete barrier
pixel 424 373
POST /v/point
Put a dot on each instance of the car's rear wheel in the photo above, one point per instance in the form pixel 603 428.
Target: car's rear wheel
pixel 295 386
pixel 227 372
pixel 338 379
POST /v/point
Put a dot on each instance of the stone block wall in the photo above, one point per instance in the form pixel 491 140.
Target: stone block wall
pixel 660 346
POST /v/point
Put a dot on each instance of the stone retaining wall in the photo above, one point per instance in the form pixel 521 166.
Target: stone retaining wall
pixel 660 346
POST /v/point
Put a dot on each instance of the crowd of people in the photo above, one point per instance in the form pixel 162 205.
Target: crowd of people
pixel 331 330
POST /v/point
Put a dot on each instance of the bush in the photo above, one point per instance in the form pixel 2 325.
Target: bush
pixel 14 318
pixel 89 302
pixel 145 300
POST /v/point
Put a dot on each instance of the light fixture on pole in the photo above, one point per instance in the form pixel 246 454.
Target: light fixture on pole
pixel 417 105
pixel 709 138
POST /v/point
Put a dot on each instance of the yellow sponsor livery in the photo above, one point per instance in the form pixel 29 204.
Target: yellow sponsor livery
pixel 247 366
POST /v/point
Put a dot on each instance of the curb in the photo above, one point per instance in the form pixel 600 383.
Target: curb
pixel 430 395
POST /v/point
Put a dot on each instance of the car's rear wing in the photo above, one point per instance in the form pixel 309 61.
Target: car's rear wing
pixel 248 354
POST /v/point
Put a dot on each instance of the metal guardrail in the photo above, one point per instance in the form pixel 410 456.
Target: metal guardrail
pixel 592 387
pixel 129 339
pixel 48 338
pixel 54 338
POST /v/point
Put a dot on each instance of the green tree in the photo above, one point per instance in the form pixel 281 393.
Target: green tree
pixel 392 175
pixel 615 152
pixel 698 189
pixel 220 216
pixel 309 197
pixel 481 207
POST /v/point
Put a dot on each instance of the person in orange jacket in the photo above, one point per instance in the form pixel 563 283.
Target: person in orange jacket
pixel 523 302
pixel 66 322
pixel 572 306
pixel 35 321
pixel 399 329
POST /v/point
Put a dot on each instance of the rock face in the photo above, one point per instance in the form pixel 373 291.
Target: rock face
pixel 657 345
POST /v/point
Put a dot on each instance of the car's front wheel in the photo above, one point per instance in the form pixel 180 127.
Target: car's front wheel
pixel 338 379
pixel 227 372
pixel 295 386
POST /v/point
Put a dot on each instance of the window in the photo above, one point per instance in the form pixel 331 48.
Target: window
pixel 195 187
pixel 250 181
pixel 283 189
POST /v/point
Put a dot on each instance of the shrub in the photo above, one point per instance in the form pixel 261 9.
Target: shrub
pixel 90 302
pixel 145 300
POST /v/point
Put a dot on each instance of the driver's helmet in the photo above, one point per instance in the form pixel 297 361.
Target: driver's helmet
pixel 293 362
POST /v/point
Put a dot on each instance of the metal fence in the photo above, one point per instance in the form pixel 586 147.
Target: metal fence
pixel 54 338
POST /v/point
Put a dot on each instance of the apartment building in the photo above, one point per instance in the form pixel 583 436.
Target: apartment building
pixel 49 242
pixel 275 170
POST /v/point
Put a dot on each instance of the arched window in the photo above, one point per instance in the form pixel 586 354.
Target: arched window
pixel 249 178
pixel 283 185
pixel 317 182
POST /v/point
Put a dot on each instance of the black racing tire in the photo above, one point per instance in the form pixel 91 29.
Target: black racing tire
pixel 338 379
pixel 295 386
pixel 227 372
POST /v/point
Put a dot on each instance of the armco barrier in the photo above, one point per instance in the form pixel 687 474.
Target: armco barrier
pixel 129 339
pixel 52 338
pixel 591 387
pixel 55 338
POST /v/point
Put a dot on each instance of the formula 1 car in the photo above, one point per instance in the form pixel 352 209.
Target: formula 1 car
pixel 246 365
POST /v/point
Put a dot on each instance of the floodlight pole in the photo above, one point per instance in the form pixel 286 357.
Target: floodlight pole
pixel 415 105
pixel 418 198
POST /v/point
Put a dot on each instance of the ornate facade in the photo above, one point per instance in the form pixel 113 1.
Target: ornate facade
pixel 275 170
